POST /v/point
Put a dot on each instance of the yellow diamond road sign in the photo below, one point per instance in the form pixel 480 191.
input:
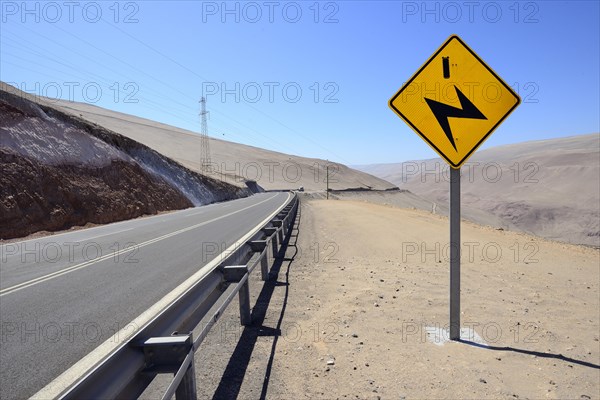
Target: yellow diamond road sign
pixel 454 101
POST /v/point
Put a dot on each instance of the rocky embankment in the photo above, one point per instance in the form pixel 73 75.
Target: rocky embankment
pixel 60 171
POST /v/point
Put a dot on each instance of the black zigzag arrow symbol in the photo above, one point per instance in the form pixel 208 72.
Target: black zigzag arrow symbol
pixel 443 111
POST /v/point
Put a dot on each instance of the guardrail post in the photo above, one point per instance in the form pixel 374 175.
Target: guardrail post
pixel 270 232
pixel 245 312
pixel 286 223
pixel 166 354
pixel 259 246
pixel 187 387
pixel 278 224
pixel 235 273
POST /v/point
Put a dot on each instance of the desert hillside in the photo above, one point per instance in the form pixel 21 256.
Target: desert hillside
pixel 59 171
pixel 550 188
pixel 402 198
pixel 232 162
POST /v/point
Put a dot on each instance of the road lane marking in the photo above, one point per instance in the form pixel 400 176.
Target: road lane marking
pixel 65 380
pixel 126 250
pixel 109 233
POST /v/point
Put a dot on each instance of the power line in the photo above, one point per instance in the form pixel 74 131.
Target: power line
pixel 227 121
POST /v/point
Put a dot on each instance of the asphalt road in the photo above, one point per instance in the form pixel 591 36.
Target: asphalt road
pixel 61 296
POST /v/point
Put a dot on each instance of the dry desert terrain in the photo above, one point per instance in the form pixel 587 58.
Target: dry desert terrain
pixel 548 188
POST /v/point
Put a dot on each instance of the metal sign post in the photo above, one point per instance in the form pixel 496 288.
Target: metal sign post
pixel 327 188
pixel 454 120
pixel 454 254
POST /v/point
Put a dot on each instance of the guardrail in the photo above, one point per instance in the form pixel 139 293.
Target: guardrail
pixel 159 347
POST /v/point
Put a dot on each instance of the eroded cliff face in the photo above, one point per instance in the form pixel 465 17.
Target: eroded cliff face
pixel 36 196
pixel 59 171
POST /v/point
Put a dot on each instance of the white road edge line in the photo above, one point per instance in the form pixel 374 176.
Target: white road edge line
pixel 56 274
pixel 119 339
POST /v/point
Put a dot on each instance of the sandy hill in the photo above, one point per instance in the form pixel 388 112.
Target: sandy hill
pixel 403 198
pixel 550 188
pixel 232 162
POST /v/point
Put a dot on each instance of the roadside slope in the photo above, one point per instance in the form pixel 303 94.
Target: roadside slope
pixel 59 171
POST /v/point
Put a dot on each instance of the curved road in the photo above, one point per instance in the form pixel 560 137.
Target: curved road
pixel 63 295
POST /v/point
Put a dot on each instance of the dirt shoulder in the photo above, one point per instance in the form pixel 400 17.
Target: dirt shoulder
pixel 361 300
pixel 367 306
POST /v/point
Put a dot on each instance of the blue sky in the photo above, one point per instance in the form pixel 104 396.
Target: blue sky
pixel 308 78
